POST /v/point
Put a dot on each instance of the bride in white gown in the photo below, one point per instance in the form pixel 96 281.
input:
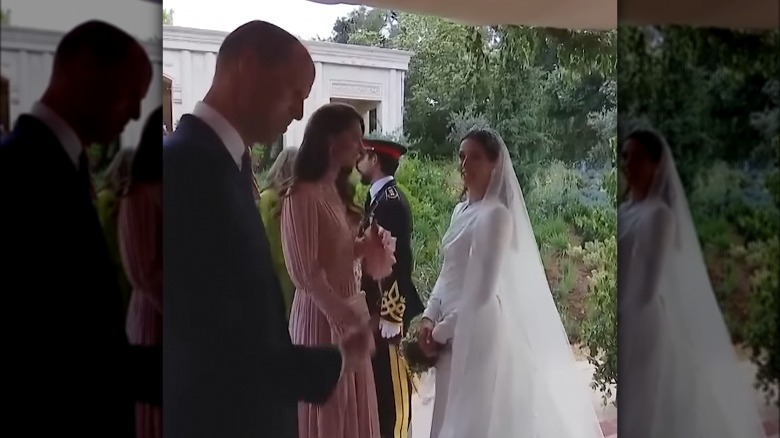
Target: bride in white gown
pixel 505 368
pixel 679 374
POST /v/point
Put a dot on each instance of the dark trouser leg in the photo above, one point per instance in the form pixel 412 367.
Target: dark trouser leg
pixel 393 390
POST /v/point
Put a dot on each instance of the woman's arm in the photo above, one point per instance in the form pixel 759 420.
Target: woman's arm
pixel 492 234
pixel 300 241
pixel 433 308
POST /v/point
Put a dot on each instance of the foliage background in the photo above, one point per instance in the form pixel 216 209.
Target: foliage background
pixel 554 96
pixel 714 95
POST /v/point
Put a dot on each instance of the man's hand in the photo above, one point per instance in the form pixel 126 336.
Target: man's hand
pixel 389 329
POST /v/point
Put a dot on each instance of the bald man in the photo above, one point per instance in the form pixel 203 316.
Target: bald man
pixel 68 364
pixel 230 368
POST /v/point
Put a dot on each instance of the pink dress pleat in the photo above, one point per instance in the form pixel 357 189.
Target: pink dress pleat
pixel 318 244
pixel 140 239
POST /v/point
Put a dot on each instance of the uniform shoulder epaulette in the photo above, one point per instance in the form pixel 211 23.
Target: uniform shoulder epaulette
pixel 391 192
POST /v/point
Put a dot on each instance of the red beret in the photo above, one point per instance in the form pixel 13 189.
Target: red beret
pixel 385 147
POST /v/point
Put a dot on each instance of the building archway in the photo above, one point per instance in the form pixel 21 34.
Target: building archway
pixel 167 105
pixel 5 104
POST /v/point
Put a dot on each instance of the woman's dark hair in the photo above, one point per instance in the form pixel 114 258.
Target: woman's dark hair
pixel 651 142
pixel 490 144
pixel 147 163
pixel 313 160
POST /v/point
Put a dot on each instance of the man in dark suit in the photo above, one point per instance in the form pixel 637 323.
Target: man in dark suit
pixel 70 368
pixel 230 369
pixel 393 301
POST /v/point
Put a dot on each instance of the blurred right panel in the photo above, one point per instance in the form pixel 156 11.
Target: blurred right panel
pixel 698 231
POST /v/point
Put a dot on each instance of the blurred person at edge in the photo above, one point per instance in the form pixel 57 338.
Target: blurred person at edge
pixel 72 344
pixel 277 182
pixel 140 242
pixel 679 372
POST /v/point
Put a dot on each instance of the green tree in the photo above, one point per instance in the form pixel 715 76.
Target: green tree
pixel 167 18
pixel 366 27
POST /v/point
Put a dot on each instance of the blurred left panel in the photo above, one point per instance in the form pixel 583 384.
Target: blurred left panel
pixel 80 214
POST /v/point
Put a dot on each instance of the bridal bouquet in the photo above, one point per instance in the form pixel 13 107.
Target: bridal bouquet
pixel 417 361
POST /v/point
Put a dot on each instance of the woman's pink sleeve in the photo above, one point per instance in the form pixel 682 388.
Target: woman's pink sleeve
pixel 301 246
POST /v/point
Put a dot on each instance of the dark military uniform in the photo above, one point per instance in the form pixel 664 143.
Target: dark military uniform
pixel 393 301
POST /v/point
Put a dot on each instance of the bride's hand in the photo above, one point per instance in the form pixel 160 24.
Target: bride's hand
pixel 425 339
pixel 426 330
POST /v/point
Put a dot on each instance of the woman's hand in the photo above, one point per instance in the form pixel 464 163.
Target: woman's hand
pixel 356 345
pixel 377 248
pixel 360 247
pixel 364 240
pixel 358 310
pixel 428 346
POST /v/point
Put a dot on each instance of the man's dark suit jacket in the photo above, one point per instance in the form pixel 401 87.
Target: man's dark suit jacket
pixel 230 369
pixel 68 365
pixel 391 211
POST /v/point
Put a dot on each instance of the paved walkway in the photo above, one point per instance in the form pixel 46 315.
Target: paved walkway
pixel 422 408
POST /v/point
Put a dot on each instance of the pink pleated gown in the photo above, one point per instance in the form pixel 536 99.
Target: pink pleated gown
pixel 318 243
pixel 140 240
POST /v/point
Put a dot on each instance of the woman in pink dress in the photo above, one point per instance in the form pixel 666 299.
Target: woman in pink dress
pixel 140 239
pixel 321 247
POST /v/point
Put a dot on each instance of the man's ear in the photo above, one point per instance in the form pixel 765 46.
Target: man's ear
pixel 243 65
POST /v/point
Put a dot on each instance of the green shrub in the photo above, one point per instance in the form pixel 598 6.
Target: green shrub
pixel 552 233
pixel 715 234
pixel 717 191
pixel 761 328
pixel 595 224
pixel 553 190
pixel 599 331
pixel 759 223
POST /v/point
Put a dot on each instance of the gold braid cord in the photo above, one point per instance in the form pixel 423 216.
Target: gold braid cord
pixel 393 304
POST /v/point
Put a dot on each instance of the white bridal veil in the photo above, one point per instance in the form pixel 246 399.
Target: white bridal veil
pixel 702 391
pixel 516 376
